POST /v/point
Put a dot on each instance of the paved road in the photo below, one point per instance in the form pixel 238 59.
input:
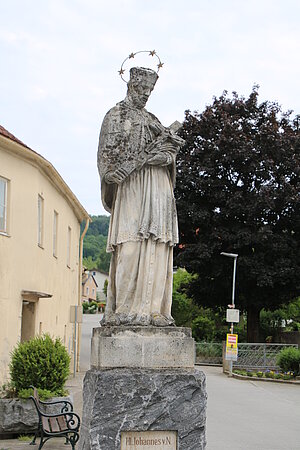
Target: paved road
pixel 251 415
pixel 90 321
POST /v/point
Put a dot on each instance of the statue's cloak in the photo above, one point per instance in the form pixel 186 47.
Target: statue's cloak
pixel 128 137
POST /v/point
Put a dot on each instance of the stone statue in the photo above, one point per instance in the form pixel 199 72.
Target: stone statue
pixel 136 162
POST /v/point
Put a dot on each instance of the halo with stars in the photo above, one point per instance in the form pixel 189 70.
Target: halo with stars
pixel 133 55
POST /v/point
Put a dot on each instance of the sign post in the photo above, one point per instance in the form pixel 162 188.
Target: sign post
pixel 232 306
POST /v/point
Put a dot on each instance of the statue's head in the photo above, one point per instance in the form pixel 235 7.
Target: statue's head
pixel 140 85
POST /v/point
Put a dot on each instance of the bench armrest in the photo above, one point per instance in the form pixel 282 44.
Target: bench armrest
pixel 67 406
pixel 72 419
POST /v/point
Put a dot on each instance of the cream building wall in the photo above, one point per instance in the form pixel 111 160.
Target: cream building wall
pixel 100 278
pixel 37 287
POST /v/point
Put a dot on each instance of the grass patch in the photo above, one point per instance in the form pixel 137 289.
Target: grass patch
pixel 25 438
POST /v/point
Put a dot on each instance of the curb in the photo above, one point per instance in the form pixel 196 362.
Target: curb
pixel 245 377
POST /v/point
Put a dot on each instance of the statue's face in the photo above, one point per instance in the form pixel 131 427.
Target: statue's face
pixel 140 92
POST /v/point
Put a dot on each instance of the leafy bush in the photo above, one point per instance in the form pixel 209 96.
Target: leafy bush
pixel 44 394
pixel 90 308
pixel 208 349
pixel 85 306
pixel 289 360
pixel 269 374
pixel 41 362
pixel 240 372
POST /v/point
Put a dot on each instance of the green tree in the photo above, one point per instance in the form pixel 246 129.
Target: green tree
pixel 286 318
pixel 99 225
pixel 237 191
pixel 183 308
pixel 94 245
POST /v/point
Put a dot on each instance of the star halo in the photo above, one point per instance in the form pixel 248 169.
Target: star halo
pixel 133 55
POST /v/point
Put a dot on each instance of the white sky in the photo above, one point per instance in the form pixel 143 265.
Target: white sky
pixel 59 63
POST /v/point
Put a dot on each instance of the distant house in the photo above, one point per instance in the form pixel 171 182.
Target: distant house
pixel 89 287
pixel 100 278
pixel 40 242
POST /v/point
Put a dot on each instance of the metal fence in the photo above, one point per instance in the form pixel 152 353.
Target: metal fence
pixel 250 356
pixel 259 356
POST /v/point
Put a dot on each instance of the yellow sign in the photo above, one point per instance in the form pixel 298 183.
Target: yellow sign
pixel 231 341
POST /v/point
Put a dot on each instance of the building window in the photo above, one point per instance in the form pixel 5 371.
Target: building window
pixel 40 220
pixel 55 229
pixel 87 291
pixel 3 204
pixel 69 247
pixel 93 291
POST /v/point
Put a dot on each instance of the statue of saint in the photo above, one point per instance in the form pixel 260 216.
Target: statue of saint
pixel 136 162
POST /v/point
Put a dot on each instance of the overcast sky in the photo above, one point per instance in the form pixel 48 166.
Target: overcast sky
pixel 60 61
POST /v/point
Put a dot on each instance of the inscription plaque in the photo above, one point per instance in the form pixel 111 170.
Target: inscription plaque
pixel 149 440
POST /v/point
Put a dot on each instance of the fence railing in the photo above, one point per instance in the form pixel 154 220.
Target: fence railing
pixel 259 356
pixel 250 356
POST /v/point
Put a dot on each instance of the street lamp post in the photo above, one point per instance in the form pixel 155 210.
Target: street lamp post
pixel 234 256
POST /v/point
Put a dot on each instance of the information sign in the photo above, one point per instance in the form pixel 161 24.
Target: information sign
pixel 232 315
pixel 149 440
pixel 231 340
pixel 231 347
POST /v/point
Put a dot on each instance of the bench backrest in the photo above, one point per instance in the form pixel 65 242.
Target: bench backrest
pixel 36 399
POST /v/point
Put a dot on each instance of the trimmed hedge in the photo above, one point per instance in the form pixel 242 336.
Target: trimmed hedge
pixel 42 362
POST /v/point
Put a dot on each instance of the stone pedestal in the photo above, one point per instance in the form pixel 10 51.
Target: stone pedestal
pixel 143 380
pixel 148 347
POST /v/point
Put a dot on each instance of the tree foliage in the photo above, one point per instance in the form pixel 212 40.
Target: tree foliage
pixel 238 191
pixel 286 318
pixel 207 324
pixel 94 245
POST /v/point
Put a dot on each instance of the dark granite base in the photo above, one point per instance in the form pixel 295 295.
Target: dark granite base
pixel 116 400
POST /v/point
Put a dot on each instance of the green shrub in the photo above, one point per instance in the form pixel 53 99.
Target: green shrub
pixel 93 303
pixel 44 394
pixel 240 372
pixel 269 374
pixel 209 349
pixel 42 362
pixel 286 376
pixel 85 306
pixel 289 360
pixel 259 374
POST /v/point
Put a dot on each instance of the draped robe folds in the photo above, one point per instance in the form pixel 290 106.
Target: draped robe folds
pixel 143 226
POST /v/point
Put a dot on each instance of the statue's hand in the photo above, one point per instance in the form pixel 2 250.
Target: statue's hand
pixel 118 176
pixel 158 159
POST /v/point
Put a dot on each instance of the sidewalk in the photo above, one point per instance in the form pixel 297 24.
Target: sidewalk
pixel 74 386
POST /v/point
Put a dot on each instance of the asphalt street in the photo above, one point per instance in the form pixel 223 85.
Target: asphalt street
pixel 251 415
pixel 90 321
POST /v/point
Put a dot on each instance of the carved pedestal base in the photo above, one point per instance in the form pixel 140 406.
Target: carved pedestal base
pixel 143 380
pixel 169 404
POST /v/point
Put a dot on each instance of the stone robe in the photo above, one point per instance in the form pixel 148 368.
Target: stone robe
pixel 143 226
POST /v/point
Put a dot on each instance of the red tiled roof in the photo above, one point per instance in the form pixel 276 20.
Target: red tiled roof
pixel 9 135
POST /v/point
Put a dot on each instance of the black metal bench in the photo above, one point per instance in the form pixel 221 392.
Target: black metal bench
pixel 65 423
